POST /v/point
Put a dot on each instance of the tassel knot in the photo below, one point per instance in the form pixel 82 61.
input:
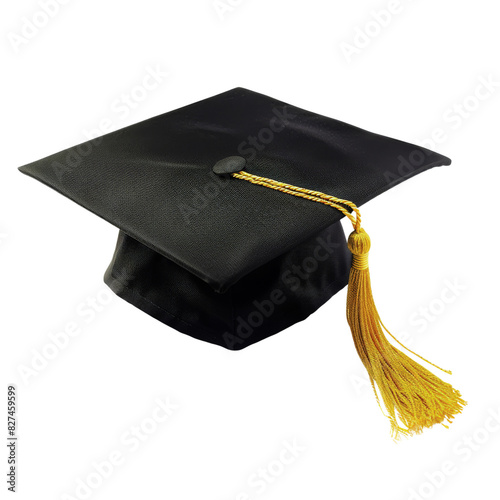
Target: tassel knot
pixel 359 245
pixel 359 242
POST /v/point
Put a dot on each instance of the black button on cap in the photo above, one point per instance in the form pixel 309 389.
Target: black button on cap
pixel 229 165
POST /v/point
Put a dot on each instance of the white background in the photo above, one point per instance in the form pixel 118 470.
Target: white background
pixel 236 409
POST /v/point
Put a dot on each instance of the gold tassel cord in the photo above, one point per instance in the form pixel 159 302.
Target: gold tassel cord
pixel 308 194
pixel 413 396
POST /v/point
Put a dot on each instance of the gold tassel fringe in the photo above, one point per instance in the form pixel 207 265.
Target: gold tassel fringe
pixel 414 397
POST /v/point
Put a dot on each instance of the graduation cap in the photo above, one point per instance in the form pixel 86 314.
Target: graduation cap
pixel 229 213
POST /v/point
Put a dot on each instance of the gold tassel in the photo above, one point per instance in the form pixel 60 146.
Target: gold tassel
pixel 411 394
pixel 414 397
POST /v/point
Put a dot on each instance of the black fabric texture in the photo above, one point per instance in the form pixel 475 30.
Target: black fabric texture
pixel 267 300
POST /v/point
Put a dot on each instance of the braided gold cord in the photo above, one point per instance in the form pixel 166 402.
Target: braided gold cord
pixel 308 194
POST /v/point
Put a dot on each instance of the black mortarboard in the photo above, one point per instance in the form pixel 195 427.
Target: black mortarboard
pixel 210 246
